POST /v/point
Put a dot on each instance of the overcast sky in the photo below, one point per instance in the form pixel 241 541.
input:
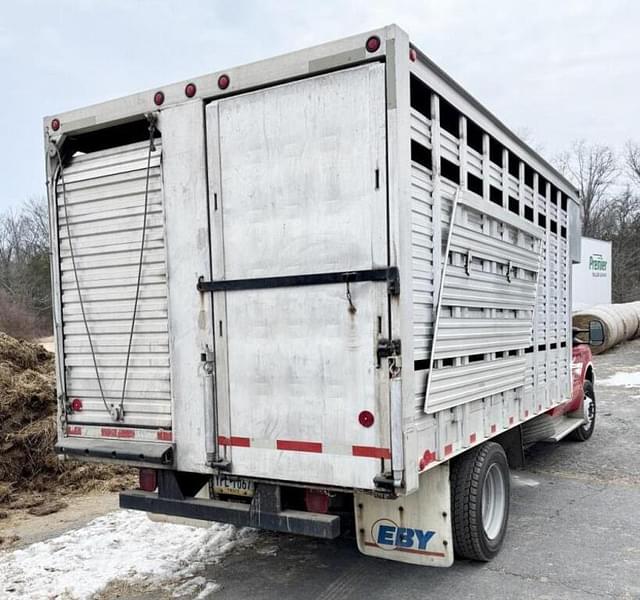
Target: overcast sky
pixel 561 69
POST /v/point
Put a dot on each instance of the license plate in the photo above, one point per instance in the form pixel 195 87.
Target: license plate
pixel 236 486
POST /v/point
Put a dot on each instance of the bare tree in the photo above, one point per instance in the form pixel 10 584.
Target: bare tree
pixel 593 169
pixel 25 292
pixel 632 161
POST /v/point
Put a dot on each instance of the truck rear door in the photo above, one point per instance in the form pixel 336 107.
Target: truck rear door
pixel 300 298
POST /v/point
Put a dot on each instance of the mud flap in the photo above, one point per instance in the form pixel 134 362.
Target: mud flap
pixel 413 529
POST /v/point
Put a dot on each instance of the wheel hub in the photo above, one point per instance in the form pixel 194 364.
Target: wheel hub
pixel 494 501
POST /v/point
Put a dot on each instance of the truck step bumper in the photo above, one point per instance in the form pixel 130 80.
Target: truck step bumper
pixel 237 513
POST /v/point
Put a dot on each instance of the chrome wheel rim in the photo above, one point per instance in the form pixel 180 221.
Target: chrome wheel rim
pixel 494 501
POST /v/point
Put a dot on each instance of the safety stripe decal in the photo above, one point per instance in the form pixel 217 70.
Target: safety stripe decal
pixel 128 433
pixel 305 446
pixel 112 432
pixel 242 442
pixel 299 446
pixel 371 452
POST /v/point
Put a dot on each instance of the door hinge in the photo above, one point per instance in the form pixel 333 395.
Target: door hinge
pixel 387 348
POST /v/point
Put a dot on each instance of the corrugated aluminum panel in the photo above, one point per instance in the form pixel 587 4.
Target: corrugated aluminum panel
pixel 486 310
pixel 105 207
pixel 452 386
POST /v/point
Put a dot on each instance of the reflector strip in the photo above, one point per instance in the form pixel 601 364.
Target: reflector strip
pixel 299 446
pixel 371 452
pixel 117 433
pixel 242 442
pixel 303 446
pixel 74 430
pixel 493 429
pixel 448 449
pixel 472 438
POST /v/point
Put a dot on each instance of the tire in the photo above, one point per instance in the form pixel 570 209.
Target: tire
pixel 480 484
pixel 584 432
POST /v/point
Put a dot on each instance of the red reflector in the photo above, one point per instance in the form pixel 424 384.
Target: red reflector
pixel 190 90
pixel 366 418
pixel 373 43
pixel 316 501
pixel 158 98
pixel 55 124
pixel 223 82
pixel 412 55
pixel 76 405
pixel 148 480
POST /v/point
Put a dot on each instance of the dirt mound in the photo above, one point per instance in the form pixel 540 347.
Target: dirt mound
pixel 28 462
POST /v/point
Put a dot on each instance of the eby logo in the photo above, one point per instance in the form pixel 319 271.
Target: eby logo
pixel 388 536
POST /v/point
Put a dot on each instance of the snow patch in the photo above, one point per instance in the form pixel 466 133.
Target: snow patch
pixel 622 379
pixel 121 545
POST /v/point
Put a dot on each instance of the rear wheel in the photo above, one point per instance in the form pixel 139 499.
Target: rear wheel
pixel 480 501
pixel 585 431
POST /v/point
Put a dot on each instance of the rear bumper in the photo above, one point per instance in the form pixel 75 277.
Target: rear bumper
pixel 236 513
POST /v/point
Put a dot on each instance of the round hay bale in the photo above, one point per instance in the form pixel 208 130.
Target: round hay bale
pixel 635 307
pixel 611 323
pixel 629 319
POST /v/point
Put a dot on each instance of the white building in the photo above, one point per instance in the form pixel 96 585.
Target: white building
pixel 592 276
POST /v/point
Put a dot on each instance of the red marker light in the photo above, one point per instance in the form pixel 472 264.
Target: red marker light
pixel 190 90
pixel 55 124
pixel 373 44
pixel 223 82
pixel 76 405
pixel 148 479
pixel 412 55
pixel 366 418
pixel 158 98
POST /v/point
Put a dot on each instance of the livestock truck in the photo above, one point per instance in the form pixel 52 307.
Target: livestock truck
pixel 322 292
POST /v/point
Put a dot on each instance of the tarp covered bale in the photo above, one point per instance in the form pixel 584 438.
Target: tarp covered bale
pixel 629 317
pixel 620 322
pixel 612 324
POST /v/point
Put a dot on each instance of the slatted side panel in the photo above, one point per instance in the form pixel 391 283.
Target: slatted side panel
pixel 487 308
pixel 105 208
pixel 422 238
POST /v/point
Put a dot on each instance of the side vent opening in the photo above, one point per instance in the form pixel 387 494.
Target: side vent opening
pixel 495 195
pixel 514 165
pixel 496 152
pixel 421 155
pixel 449 170
pixel 474 136
pixel 449 118
pixel 474 184
pixel 420 96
